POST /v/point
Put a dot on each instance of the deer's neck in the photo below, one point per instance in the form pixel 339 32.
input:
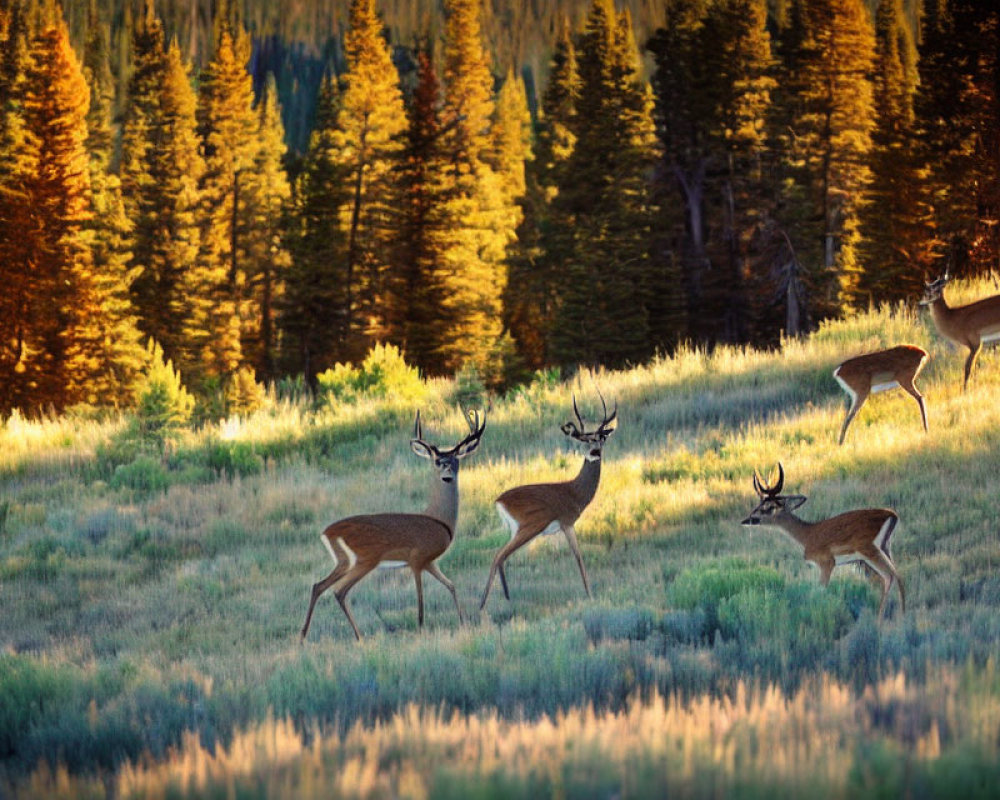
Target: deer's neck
pixel 942 315
pixel 795 528
pixel 584 485
pixel 444 503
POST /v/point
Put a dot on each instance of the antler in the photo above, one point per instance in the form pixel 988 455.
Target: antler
pixel 602 428
pixel 765 489
pixel 578 429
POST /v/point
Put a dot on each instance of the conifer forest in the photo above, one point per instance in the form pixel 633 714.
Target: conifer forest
pixel 266 190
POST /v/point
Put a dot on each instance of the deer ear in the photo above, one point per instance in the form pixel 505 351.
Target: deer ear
pixel 421 448
pixel 795 501
pixel 467 448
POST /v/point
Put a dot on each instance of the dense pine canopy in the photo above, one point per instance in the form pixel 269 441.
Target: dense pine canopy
pixel 490 187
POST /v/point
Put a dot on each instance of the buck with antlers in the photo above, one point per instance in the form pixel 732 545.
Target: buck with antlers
pixel 969 325
pixel 545 508
pixel 877 372
pixel 360 544
pixel 854 536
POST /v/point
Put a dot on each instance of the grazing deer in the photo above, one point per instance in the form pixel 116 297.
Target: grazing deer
pixel 968 325
pixel 544 508
pixel 854 536
pixel 362 543
pixel 876 372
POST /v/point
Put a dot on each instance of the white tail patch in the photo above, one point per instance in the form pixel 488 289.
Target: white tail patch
pixel 508 518
pixel 843 385
pixel 883 533
pixel 327 545
pixel 352 559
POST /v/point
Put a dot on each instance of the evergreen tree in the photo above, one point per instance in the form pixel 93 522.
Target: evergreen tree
pixel 414 288
pixel 367 143
pixel 216 287
pixel 480 216
pixel 141 137
pixel 833 61
pixel 957 112
pixel 120 356
pixel 312 315
pixel 684 111
pixel 603 311
pixel 737 53
pixel 544 238
pixel 62 350
pixel 17 165
pixel 266 195
pixel 898 233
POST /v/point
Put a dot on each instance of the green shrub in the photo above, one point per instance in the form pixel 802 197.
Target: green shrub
pixel 145 474
pixel 708 586
pixel 383 374
pixel 243 394
pixel 233 458
pixel 164 404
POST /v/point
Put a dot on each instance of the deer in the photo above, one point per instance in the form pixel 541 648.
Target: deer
pixel 546 508
pixel 863 535
pixel 877 372
pixel 360 544
pixel 969 325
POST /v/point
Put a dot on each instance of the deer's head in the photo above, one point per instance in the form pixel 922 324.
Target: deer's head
pixel 446 461
pixel 772 503
pixel 596 438
pixel 934 289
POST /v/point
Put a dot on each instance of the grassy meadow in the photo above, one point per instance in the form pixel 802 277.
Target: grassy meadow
pixel 150 605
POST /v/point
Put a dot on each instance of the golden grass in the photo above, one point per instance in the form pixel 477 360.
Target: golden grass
pixel 808 739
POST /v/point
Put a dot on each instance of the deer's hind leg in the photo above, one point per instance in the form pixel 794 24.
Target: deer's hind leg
pixel 910 388
pixel 343 561
pixel 970 362
pixel 857 400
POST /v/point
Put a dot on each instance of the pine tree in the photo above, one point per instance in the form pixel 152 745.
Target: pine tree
pixel 17 165
pixel 603 311
pixel 267 195
pixel 737 53
pixel 367 143
pixel 685 107
pixel 120 354
pixel 312 315
pixel 217 286
pixel 141 137
pixel 957 108
pixel 63 351
pixel 414 288
pixel 480 217
pixel 898 233
pixel 544 236
pixel 833 126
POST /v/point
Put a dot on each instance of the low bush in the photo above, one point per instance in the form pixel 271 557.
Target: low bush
pixel 383 374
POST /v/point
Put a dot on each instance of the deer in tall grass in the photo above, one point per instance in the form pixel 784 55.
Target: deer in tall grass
pixel 360 544
pixel 546 508
pixel 969 325
pixel 877 372
pixel 862 536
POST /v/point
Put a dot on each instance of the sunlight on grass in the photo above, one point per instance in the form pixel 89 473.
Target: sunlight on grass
pixel 152 599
